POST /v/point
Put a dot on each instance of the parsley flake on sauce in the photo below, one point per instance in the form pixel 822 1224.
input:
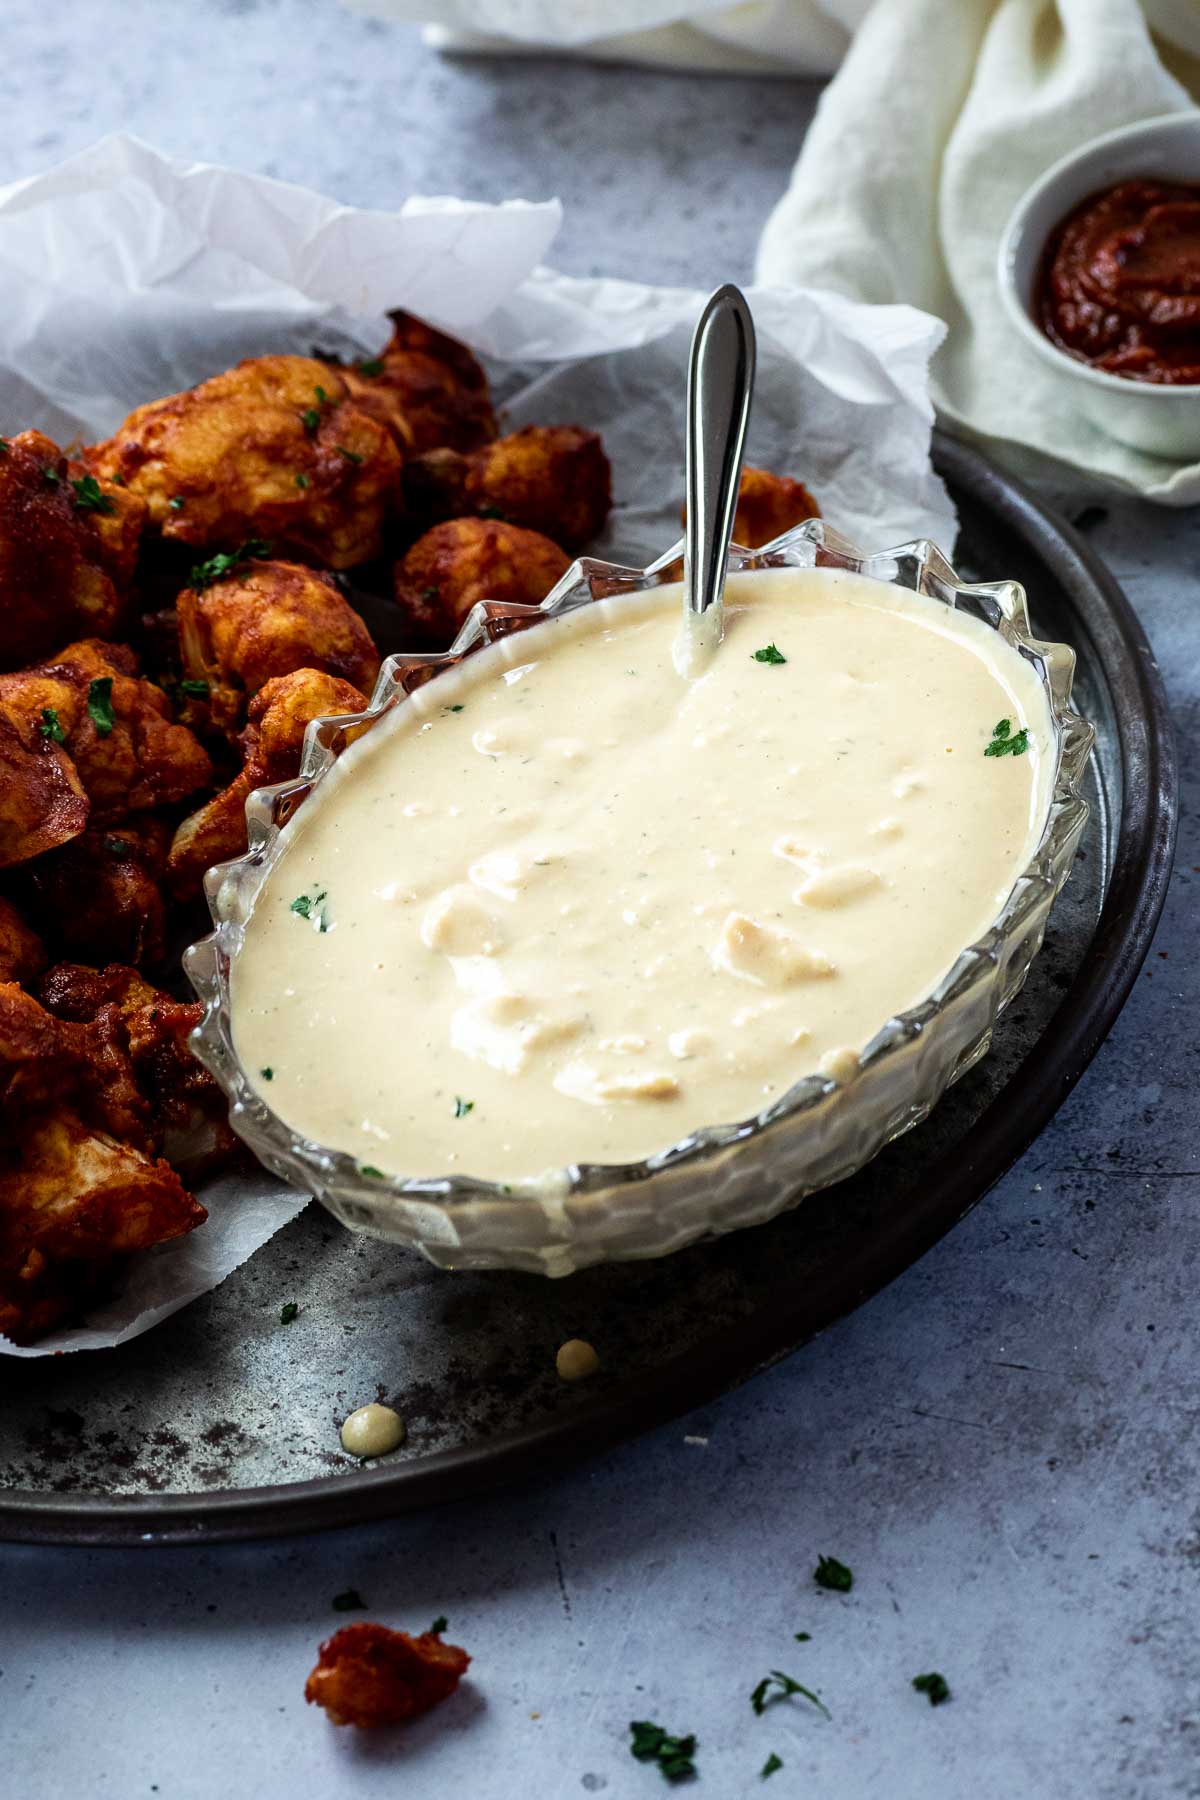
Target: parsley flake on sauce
pixel 830 1573
pixel 1007 742
pixel 770 653
pixel 311 907
pixel 268 1074
pixel 226 561
pixel 672 1754
pixel 99 704
pixel 462 1107
pixel 772 1763
pixel 288 1312
pixel 90 497
pixel 778 1686
pixel 349 1600
pixel 51 726
pixel 934 1685
pixel 439 1625
pixel 373 1173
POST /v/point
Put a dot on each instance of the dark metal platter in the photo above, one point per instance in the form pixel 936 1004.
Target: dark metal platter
pixel 223 1424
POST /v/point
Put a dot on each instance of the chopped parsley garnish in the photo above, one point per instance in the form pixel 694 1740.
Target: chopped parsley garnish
pixel 349 1600
pixel 372 367
pixel 311 907
pixel 803 1637
pixel 672 1754
pixel 51 726
pixel 490 512
pixel 5 446
pixel 439 1625
pixel 934 1685
pixel 118 849
pixel 90 496
pixel 288 1312
pixel 462 1107
pixel 322 396
pixel 830 1573
pixel 226 561
pixel 457 708
pixel 772 1763
pixel 51 475
pixel 176 503
pixel 375 1174
pixel 351 456
pixel 778 1686
pixel 198 690
pixel 268 1074
pixel 118 480
pixel 769 653
pixel 310 418
pixel 99 704
pixel 302 481
pixel 1006 741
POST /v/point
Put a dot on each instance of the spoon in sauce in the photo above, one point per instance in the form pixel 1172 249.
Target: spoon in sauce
pixel 719 389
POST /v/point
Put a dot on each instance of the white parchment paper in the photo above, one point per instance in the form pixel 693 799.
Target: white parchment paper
pixel 126 275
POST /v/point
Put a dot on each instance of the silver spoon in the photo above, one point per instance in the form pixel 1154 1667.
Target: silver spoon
pixel 719 389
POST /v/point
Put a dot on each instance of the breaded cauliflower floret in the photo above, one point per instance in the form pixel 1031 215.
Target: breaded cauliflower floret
pixel 264 620
pixel 466 560
pixel 272 450
pixel 68 546
pixel 115 730
pixel 550 478
pixel 426 388
pixel 272 743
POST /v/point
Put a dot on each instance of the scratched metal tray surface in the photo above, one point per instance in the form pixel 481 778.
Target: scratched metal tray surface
pixel 223 1423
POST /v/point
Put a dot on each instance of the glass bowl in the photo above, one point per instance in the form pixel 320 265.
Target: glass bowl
pixel 721 1177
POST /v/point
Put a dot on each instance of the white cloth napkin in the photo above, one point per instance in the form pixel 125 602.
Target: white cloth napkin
pixel 940 116
pixel 938 120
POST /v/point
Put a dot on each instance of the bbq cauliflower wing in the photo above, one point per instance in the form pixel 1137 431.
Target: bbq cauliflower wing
pixel 554 479
pixel 265 620
pixel 272 450
pixel 426 388
pixel 466 560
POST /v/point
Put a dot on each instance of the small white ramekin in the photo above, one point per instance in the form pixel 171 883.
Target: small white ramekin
pixel 1162 420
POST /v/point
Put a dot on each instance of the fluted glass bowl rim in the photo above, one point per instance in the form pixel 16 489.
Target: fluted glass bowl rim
pixel 231 887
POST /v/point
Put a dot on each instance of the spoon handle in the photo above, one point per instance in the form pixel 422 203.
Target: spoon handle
pixel 719 389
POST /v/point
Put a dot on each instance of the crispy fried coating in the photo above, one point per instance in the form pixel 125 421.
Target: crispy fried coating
pixel 265 620
pixel 187 1114
pixel 466 560
pixel 550 478
pixel 42 802
pixel 46 1062
pixel 99 896
pixel 72 1201
pixel 368 1675
pixel 768 505
pixel 116 730
pixel 426 388
pixel 274 450
pixel 272 743
pixel 22 956
pixel 67 549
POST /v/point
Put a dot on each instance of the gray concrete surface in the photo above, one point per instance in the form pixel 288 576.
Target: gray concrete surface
pixel 1003 1445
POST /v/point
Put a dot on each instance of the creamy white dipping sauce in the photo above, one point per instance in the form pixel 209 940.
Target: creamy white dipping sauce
pixel 566 905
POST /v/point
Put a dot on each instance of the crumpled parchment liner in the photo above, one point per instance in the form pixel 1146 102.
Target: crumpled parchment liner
pixel 127 275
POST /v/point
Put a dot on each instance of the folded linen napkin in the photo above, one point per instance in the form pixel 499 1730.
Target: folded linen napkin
pixel 941 114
